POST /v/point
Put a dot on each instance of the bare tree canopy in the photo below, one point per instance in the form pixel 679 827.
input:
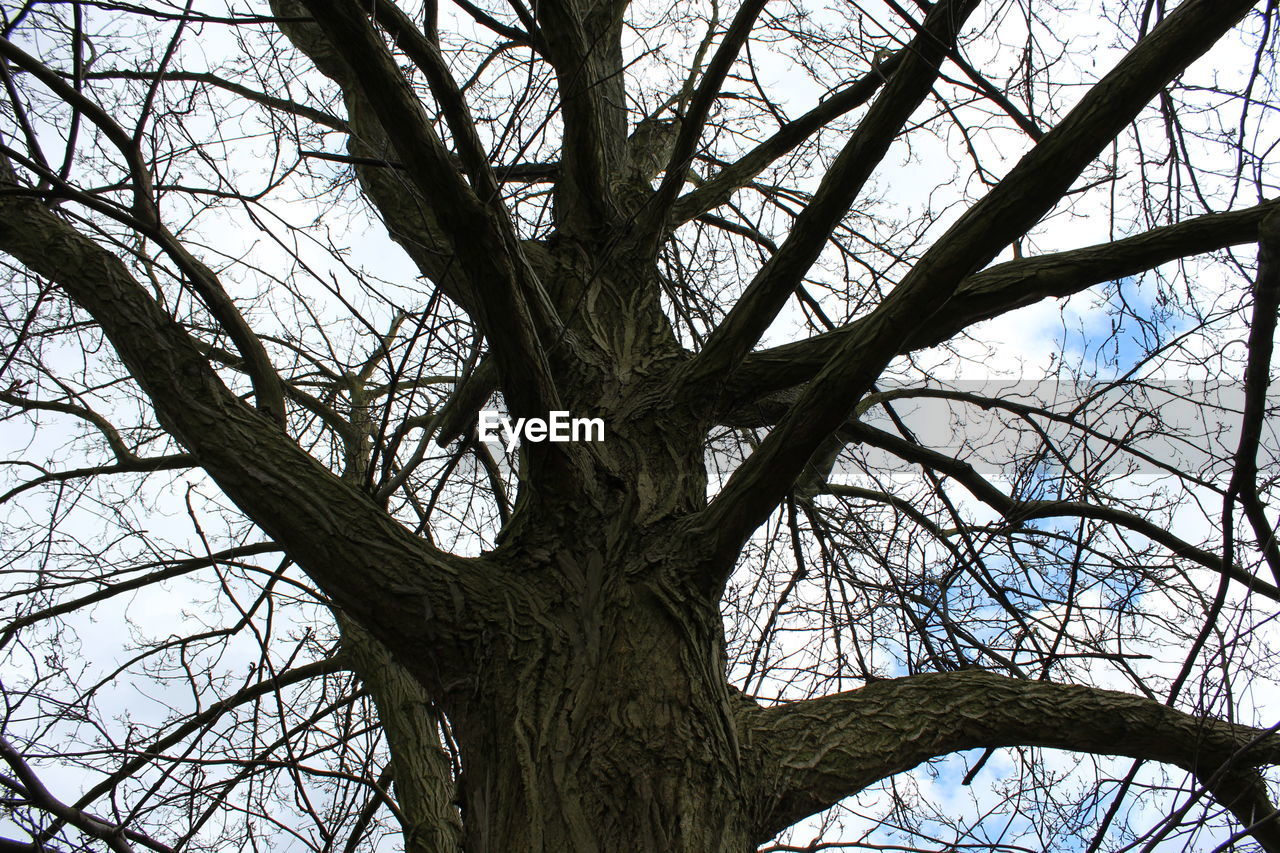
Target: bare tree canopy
pixel 590 425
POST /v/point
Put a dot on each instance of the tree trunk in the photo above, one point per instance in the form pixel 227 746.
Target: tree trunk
pixel 601 725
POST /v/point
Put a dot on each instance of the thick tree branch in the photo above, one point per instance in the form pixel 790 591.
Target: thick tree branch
pixel 115 836
pixel 510 304
pixel 266 383
pixel 205 718
pixel 459 412
pixel 137 465
pixel 144 202
pixel 172 569
pixel 999 98
pixel 654 221
pixel 1008 286
pixel 1030 189
pixel 1257 376
pixel 812 754
pixel 339 536
pixel 421 768
pixel 121 451
pixel 769 291
pixel 340 425
pixel 517 35
pixel 515 173
pixel 426 55
pixel 410 218
pixel 462 240
pixel 582 40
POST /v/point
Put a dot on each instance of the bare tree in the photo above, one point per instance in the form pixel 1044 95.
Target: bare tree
pixel 266 585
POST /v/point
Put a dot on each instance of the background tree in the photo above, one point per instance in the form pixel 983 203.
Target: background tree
pixel 265 587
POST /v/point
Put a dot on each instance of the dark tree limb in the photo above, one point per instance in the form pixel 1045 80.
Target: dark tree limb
pixel 172 569
pixel 769 291
pixel 654 221
pixel 117 837
pixel 340 425
pixel 347 544
pixel 515 173
pixel 144 202
pixel 207 78
pixel 506 31
pixel 459 412
pixel 266 382
pixel 510 305
pixel 422 770
pixel 426 55
pixel 410 218
pixel 121 451
pixel 582 41
pixel 137 465
pixel 1025 122
pixel 1030 189
pixel 814 753
pixel 1009 286
pixel 205 718
pixel 1257 376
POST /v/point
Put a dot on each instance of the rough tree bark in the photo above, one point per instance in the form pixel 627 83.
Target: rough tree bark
pixel 580 665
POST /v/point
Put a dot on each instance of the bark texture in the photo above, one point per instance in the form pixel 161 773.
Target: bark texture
pixel 580 665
